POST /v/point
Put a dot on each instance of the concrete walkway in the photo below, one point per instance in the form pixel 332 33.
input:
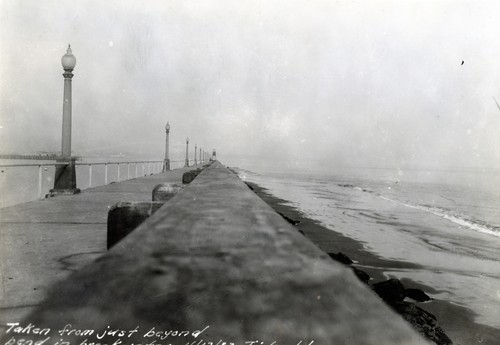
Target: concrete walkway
pixel 42 242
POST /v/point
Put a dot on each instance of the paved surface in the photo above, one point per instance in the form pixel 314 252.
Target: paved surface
pixel 43 241
pixel 217 258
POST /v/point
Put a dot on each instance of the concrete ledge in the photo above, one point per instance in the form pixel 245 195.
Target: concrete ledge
pixel 217 259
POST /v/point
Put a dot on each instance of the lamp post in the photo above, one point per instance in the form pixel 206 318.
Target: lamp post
pixel 65 177
pixel 195 149
pixel 201 158
pixel 187 153
pixel 166 162
pixel 68 62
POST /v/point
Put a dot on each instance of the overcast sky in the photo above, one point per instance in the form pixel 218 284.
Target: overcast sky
pixel 331 83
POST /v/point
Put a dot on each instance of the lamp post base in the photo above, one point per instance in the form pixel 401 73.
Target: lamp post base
pixel 65 178
pixel 166 165
pixel 54 192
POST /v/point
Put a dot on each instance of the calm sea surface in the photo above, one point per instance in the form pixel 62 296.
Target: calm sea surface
pixel 447 221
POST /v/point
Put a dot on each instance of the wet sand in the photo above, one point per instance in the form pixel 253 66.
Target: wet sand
pixel 457 322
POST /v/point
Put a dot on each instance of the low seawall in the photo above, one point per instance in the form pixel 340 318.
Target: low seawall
pixel 217 265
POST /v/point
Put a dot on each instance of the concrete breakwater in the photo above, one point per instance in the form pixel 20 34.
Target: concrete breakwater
pixel 214 264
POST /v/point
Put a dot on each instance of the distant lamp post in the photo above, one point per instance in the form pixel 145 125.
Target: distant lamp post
pixel 187 153
pixel 201 158
pixel 166 162
pixel 195 149
pixel 65 177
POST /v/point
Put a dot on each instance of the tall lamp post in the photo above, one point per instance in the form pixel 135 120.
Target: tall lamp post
pixel 201 158
pixel 195 149
pixel 187 153
pixel 65 177
pixel 166 162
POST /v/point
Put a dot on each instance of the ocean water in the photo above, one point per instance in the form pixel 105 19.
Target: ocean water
pixel 446 221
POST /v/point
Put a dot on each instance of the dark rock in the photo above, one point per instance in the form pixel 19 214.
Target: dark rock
pixel 346 185
pixel 302 233
pixel 289 220
pixel 362 275
pixel 417 295
pixel 249 185
pixel 390 290
pixel 341 257
pixel 422 321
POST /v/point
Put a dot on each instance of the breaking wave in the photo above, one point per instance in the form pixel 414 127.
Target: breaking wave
pixel 462 220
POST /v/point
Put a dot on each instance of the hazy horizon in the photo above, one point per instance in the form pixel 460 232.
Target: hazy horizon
pixel 272 84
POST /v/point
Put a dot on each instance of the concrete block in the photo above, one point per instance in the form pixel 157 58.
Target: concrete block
pixel 189 176
pixel 124 217
pixel 166 191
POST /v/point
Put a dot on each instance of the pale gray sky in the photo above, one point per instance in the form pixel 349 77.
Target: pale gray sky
pixel 340 83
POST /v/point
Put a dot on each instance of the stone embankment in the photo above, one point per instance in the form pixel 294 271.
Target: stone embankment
pixel 394 294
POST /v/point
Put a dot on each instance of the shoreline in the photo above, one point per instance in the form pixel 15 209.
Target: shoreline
pixel 456 321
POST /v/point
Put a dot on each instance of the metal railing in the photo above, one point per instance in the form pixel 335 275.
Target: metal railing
pixel 147 168
pixel 40 171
